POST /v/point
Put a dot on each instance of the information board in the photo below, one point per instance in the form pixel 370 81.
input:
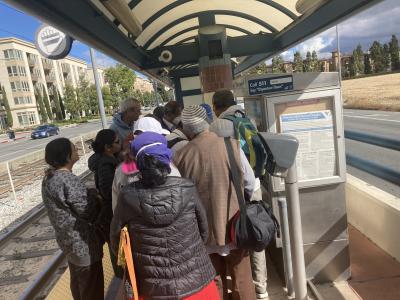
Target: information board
pixel 316 154
pixel 314 119
pixel 270 85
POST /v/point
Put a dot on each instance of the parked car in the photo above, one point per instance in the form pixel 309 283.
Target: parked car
pixel 45 131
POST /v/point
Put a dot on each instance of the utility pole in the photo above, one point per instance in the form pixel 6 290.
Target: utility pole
pixel 98 90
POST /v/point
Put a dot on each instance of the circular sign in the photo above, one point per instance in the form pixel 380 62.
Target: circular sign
pixel 52 43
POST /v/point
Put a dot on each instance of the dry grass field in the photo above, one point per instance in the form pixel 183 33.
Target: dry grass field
pixel 376 92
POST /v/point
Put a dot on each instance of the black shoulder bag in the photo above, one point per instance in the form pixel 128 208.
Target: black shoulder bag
pixel 255 226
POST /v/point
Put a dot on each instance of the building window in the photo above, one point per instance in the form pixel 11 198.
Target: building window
pixel 13 54
pixel 16 71
pixel 23 100
pixel 20 86
pixel 26 118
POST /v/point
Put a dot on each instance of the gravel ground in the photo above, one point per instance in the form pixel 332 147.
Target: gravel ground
pixel 29 197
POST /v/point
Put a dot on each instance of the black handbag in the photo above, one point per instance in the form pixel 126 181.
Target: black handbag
pixel 254 226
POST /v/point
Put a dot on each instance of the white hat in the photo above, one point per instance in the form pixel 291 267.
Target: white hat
pixel 146 124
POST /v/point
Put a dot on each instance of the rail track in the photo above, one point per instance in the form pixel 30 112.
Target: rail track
pixel 30 259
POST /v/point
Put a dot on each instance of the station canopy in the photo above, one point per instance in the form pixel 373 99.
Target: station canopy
pixel 135 32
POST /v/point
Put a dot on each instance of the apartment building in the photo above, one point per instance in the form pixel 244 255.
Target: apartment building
pixel 143 85
pixel 24 73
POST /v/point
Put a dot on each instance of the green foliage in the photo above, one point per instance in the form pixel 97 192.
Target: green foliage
pixel 82 94
pixel 386 57
pixel 121 80
pixel 357 64
pixel 367 64
pixel 109 101
pixel 57 106
pixel 298 62
pixel 308 63
pixel 376 54
pixel 42 109
pixel 72 103
pixel 92 100
pixel 394 53
pixel 315 64
pixel 261 68
pixel 10 121
pixel 278 65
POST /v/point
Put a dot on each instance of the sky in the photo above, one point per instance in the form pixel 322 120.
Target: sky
pixel 377 23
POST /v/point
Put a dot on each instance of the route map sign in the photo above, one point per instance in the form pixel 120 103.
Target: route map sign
pixel 270 85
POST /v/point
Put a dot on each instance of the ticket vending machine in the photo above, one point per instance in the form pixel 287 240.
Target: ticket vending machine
pixel 307 106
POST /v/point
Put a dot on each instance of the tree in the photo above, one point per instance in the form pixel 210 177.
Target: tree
pixel 358 63
pixel 394 53
pixel 10 121
pixel 92 102
pixel 59 101
pixel 376 53
pixel 57 106
pixel 308 63
pixel 121 80
pixel 108 99
pixel 367 64
pixel 82 93
pixel 386 57
pixel 42 109
pixel 353 67
pixel 71 102
pixel 278 65
pixel 298 62
pixel 315 65
pixel 261 68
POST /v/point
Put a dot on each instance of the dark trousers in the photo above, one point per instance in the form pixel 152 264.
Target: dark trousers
pixel 87 283
pixel 237 265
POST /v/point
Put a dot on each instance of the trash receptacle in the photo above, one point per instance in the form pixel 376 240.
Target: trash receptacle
pixel 11 134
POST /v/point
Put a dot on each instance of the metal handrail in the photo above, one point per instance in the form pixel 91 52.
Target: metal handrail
pixel 372 139
pixel 373 168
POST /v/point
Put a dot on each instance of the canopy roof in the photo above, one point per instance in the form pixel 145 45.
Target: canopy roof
pixel 135 32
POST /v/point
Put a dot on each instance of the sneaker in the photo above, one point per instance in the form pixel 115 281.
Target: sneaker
pixel 262 295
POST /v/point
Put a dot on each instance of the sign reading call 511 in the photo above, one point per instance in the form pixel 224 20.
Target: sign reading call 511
pixel 270 85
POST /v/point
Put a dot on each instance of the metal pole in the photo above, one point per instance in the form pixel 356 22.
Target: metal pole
pixel 11 181
pixel 98 90
pixel 83 147
pixel 296 234
pixel 339 56
pixel 287 256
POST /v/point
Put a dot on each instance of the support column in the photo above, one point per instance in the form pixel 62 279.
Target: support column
pixel 215 66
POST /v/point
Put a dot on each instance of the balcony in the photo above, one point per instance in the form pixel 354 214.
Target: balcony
pixel 65 68
pixel 50 78
pixel 32 62
pixel 35 76
pixel 47 65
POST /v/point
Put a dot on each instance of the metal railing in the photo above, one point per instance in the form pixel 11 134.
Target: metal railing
pixel 376 169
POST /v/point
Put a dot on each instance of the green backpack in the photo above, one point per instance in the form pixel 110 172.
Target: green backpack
pixel 250 142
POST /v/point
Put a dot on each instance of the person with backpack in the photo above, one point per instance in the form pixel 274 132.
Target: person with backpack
pixel 232 122
pixel 177 139
pixel 205 161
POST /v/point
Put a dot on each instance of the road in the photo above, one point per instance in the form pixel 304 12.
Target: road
pixel 382 123
pixel 11 150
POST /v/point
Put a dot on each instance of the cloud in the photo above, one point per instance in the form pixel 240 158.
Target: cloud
pixel 376 23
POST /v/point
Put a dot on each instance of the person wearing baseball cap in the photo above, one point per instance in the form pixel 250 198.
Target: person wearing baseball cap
pixel 205 161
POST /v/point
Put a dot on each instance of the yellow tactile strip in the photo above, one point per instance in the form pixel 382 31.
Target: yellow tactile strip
pixel 62 290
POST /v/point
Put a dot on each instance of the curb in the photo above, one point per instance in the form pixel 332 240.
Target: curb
pixel 16 139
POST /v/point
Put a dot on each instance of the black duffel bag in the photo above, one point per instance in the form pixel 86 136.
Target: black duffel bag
pixel 254 226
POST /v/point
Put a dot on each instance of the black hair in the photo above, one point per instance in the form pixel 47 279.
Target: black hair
pixel 153 172
pixel 58 152
pixel 223 99
pixel 158 112
pixel 104 137
pixel 172 107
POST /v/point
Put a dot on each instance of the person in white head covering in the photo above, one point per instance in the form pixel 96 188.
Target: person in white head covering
pixel 147 124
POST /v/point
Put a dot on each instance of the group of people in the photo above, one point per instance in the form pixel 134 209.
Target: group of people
pixel 166 176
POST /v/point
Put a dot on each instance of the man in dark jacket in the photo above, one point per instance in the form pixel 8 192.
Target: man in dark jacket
pixel 172 116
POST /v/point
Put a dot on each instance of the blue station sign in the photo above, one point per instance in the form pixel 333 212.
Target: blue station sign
pixel 270 85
